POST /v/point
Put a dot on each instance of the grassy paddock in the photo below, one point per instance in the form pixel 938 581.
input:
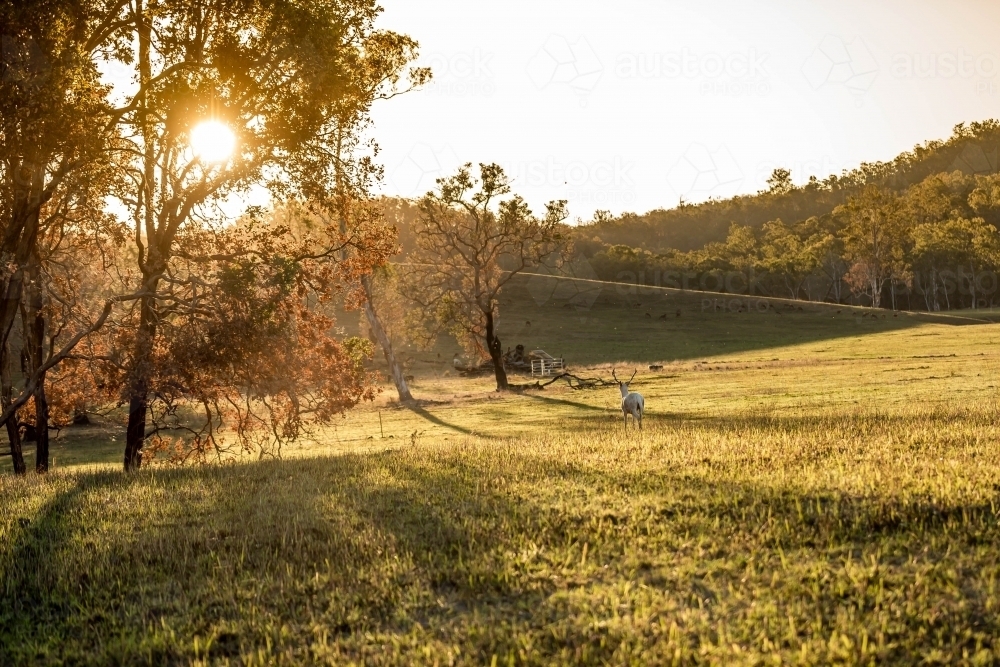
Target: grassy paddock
pixel 833 536
pixel 811 487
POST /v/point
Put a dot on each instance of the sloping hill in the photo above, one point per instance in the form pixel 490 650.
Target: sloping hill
pixel 594 322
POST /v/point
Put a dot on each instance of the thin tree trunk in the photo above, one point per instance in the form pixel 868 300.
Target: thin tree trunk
pixel 375 324
pixel 496 354
pixel 936 306
pixel 972 287
pixel 13 429
pixel 925 290
pixel 947 299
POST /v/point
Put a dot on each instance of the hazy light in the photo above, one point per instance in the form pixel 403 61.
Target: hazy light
pixel 212 141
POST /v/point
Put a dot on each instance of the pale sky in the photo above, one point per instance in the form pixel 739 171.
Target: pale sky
pixel 630 105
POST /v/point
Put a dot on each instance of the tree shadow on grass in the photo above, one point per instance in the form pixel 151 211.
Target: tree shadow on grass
pixel 380 543
pixel 36 614
pixel 434 419
pixel 466 533
pixel 370 528
pixel 563 401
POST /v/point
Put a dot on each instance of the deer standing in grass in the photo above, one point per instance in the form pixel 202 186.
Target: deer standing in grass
pixel 632 402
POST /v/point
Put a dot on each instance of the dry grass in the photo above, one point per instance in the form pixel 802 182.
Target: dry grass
pixel 848 537
pixel 834 499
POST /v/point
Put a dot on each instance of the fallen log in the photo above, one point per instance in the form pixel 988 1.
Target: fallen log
pixel 574 381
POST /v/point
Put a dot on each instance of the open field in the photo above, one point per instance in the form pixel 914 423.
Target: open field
pixel 717 361
pixel 811 487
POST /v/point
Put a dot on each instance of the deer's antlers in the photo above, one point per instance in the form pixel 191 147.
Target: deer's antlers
pixel 619 381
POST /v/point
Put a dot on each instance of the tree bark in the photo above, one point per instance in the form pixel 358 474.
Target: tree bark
pixel 34 325
pixel 13 429
pixel 138 404
pixel 18 242
pixel 42 429
pixel 496 353
pixel 375 324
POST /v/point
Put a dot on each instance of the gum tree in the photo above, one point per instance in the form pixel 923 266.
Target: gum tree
pixel 275 74
pixel 473 236
pixel 873 237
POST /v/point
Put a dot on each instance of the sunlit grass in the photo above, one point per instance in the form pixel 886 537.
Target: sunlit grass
pixel 832 499
pixel 850 535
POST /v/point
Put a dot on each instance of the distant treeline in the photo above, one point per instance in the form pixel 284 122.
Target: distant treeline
pixel 972 149
pixel 918 232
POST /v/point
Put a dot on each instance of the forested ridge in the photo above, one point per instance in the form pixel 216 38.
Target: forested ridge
pixel 917 232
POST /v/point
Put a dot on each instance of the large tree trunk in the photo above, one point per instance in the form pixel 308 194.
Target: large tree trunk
pixel 13 429
pixel 34 325
pixel 496 354
pixel 41 428
pixel 18 245
pixel 375 324
pixel 135 434
pixel 18 241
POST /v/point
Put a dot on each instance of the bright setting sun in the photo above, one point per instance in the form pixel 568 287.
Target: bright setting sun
pixel 212 141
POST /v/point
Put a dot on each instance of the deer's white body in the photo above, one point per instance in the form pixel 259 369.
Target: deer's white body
pixel 632 402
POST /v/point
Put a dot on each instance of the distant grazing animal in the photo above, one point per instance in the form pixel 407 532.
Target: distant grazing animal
pixel 632 402
pixel 649 316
